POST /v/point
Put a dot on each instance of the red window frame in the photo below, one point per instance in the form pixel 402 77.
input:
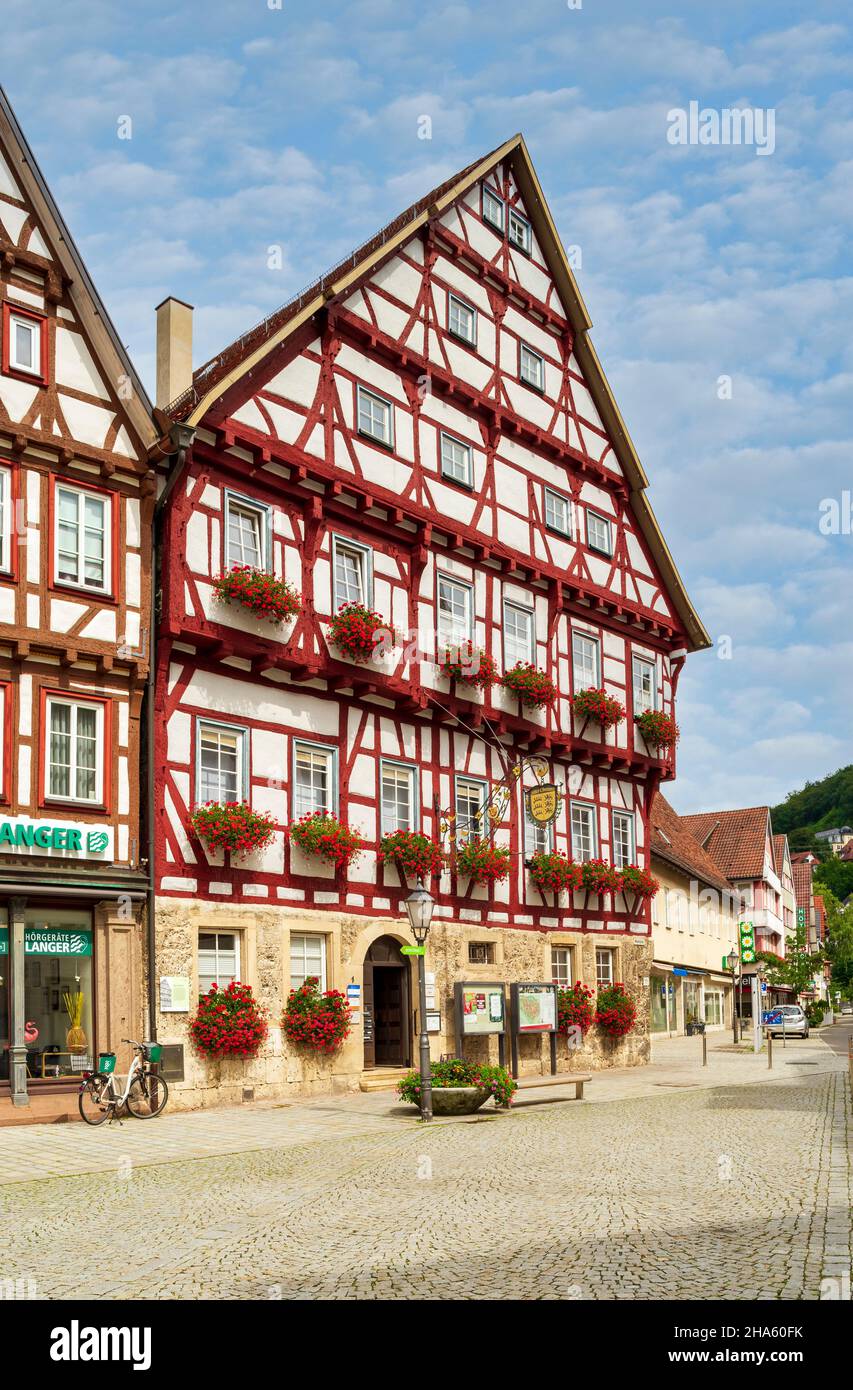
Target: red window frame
pixel 66 586
pixel 10 571
pixel 40 377
pixel 83 698
pixel 6 688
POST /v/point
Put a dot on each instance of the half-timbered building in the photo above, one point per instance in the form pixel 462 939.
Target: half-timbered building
pixel 76 497
pixel 426 432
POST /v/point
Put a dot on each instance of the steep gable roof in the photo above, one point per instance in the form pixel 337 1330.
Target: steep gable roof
pixel 212 380
pixel 780 846
pixel 803 884
pixel 736 840
pixel 672 841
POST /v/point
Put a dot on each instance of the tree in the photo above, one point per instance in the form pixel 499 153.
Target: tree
pixel 797 970
pixel 839 942
pixel 837 876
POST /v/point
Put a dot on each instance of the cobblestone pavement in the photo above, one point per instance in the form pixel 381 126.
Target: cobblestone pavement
pixel 737 1191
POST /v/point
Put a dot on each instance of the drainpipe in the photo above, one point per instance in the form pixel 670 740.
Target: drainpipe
pixel 181 437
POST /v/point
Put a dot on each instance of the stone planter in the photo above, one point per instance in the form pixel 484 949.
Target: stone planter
pixel 458 1100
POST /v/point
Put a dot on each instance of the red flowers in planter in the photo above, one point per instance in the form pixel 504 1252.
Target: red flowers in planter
pixel 575 1009
pixel 469 664
pixel 598 705
pixel 357 631
pixel 555 873
pixel 638 881
pixel 232 825
pixel 615 1011
pixel 657 728
pixel 317 1021
pixel 324 835
pixel 260 592
pixel 413 853
pixel 597 876
pixel 533 688
pixel 228 1022
pixel 483 862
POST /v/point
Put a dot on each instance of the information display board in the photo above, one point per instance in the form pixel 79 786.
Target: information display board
pixel 535 1008
pixel 480 1011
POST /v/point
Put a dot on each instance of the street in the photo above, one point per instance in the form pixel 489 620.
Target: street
pixel 668 1182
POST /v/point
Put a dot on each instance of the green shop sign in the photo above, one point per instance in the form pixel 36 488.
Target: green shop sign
pixel 50 941
pixel 60 839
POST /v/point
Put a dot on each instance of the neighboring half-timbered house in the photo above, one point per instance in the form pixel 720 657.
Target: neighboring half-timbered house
pixel 428 433
pixel 76 499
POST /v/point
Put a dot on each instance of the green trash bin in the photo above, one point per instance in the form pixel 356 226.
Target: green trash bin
pixel 107 1062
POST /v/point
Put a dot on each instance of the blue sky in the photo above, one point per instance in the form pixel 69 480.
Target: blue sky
pixel 255 126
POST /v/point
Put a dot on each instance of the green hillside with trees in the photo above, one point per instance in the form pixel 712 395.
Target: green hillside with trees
pixel 820 806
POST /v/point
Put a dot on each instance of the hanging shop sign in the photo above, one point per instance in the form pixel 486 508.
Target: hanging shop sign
pixel 59 839
pixel 543 802
pixel 50 941
pixel 480 1008
pixel 535 1008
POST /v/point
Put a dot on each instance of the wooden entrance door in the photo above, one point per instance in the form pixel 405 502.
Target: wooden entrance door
pixel 387 1026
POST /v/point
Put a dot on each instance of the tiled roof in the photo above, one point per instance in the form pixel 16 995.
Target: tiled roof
pixel 847 852
pixel 736 840
pixel 803 856
pixel 779 842
pixel 803 885
pixel 680 848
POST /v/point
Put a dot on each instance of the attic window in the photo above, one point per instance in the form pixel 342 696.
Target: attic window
pixel 493 209
pixel 519 231
pixel 663 835
pixel 24 343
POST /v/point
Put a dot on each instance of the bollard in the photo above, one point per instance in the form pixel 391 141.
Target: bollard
pixel 704 1050
pixel 769 1050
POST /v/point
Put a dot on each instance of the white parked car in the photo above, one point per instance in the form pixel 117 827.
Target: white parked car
pixel 795 1024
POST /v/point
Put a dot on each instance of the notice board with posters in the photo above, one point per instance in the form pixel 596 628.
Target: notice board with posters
pixel 480 1011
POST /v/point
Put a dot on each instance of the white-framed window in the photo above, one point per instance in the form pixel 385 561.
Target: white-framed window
pixel 519 231
pixel 375 416
pixel 531 367
pixel 315 778
pixel 713 1006
pixel 6 520
pixel 25 344
pixel 75 750
pixel 586 662
pixel 352 567
pixel 83 538
pixel 623 839
pixel 399 797
pixel 455 611
pixel 603 967
pixel 558 512
pixel 462 319
pixel 456 460
pixel 538 839
pixel 307 957
pixel 246 532
pixel 221 762
pixel 218 959
pixel 584 831
pixel 470 799
pixel 561 966
pixel 645 685
pixel 517 634
pixel 493 209
pixel 598 533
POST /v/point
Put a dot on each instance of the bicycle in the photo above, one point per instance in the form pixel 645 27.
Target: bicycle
pixel 145 1093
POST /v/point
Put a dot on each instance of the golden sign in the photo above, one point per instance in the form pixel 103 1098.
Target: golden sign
pixel 543 802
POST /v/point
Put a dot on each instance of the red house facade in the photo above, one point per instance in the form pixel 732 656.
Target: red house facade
pixel 427 434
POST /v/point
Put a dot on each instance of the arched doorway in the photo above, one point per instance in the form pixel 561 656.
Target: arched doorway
pixel 387 1030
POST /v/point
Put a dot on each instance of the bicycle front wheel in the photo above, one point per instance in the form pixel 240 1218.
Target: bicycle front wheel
pixel 94 1100
pixel 147 1096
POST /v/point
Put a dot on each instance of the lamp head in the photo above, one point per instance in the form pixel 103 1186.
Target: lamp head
pixel 419 909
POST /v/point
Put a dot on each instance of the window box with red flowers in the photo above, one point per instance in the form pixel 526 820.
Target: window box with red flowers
pixel 555 873
pixel 597 876
pixel 260 592
pixel 468 664
pixel 324 836
pixel 319 1022
pixel 532 687
pixel 615 1011
pixel 232 826
pixel 598 705
pixel 575 1009
pixel 483 862
pixel 657 728
pixel 414 854
pixel 638 881
pixel 228 1022
pixel 358 632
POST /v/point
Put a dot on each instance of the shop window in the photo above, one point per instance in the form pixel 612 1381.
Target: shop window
pixel 314 779
pixel 58 993
pixel 218 959
pixel 713 1006
pixel 83 535
pixel 603 967
pixel 307 957
pixel 481 953
pixel 246 533
pixel 75 761
pixel 561 966
pixel 693 1012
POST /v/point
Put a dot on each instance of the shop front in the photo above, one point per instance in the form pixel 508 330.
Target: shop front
pixel 684 1000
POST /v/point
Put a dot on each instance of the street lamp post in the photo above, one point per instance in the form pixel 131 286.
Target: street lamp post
pixel 733 962
pixel 419 909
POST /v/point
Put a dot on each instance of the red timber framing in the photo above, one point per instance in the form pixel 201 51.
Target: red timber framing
pixel 283 429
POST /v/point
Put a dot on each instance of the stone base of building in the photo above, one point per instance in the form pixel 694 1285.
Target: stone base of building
pixel 361 955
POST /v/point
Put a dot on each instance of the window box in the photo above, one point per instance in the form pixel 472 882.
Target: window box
pixel 261 593
pixel 24 352
pixel 232 826
pixel 600 877
pixel 483 862
pixel 414 854
pixel 468 664
pixel 229 1022
pixel 575 1010
pixel 638 881
pixel 325 837
pixel 599 706
pixel 358 631
pixel 657 728
pixel 615 1011
pixel 318 1022
pixel 534 689
pixel 555 873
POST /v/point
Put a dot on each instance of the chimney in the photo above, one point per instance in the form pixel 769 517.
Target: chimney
pixel 174 350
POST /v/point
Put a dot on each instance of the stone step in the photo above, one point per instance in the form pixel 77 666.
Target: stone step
pixel 382 1078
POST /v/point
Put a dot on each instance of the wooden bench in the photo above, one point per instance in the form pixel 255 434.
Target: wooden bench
pixel 531 1083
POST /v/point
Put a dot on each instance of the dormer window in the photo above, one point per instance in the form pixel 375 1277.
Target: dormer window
pixel 519 231
pixel 493 209
pixel 24 343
